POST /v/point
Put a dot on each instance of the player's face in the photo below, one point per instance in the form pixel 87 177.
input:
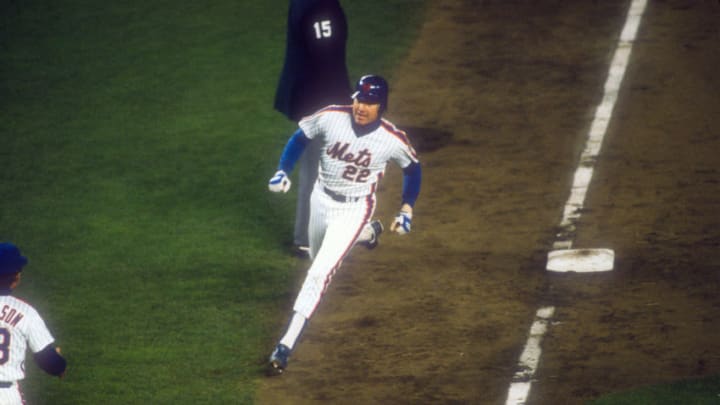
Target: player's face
pixel 364 113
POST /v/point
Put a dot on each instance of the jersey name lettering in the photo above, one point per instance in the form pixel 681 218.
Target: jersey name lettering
pixel 339 152
pixel 10 315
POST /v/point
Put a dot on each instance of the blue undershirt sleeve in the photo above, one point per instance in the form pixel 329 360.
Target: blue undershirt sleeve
pixel 50 361
pixel 293 149
pixel 412 177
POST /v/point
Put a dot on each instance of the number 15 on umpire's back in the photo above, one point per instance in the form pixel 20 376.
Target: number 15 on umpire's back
pixel 323 29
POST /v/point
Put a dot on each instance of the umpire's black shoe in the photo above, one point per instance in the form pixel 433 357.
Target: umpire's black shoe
pixel 278 360
pixel 377 228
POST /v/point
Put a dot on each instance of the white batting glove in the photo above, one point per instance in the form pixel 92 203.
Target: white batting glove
pixel 279 182
pixel 402 223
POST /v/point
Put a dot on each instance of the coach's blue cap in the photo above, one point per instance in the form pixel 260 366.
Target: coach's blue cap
pixel 11 261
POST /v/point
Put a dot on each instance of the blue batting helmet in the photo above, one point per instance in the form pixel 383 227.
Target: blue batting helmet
pixel 372 89
pixel 11 261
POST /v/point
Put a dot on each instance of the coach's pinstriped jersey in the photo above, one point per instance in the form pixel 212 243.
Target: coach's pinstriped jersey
pixel 352 165
pixel 20 327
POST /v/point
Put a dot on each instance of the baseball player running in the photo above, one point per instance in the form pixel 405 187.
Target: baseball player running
pixel 21 327
pixel 356 144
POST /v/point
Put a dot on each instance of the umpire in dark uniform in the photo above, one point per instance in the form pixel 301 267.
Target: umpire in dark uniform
pixel 314 75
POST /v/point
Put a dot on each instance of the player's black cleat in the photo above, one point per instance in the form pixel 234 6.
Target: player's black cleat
pixel 377 228
pixel 300 251
pixel 278 360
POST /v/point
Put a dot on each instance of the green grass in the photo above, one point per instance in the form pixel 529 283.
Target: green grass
pixel 137 139
pixel 703 391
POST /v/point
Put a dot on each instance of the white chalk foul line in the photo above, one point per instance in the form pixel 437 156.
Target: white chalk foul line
pixel 530 357
pixel 598 128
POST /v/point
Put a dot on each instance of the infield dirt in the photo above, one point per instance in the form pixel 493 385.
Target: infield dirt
pixel 497 97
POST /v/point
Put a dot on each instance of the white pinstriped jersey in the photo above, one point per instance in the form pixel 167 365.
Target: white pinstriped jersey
pixel 20 327
pixel 352 165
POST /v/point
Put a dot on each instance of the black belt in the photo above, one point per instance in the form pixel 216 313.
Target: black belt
pixel 339 197
pixel 5 384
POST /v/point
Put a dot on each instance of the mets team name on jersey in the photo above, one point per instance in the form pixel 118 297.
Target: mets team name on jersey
pixel 352 165
pixel 20 325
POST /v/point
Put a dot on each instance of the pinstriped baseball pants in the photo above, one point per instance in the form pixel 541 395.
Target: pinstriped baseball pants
pixel 333 230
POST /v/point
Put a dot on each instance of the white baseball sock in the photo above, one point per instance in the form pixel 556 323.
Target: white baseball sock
pixel 297 324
